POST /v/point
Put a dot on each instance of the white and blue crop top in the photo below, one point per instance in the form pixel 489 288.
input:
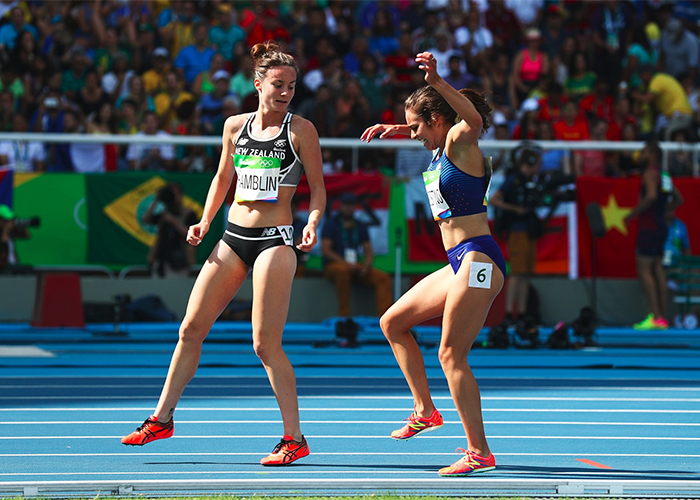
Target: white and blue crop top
pixel 263 165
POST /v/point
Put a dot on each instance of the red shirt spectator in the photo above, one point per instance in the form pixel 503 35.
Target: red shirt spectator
pixel 572 126
pixel 267 27
pixel 600 103
pixel 550 106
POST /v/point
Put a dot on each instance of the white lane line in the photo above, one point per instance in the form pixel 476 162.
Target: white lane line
pixel 362 454
pixel 384 437
pixel 338 386
pixel 403 409
pixel 351 422
pixel 364 398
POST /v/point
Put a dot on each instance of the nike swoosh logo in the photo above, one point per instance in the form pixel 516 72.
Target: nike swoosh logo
pixel 461 256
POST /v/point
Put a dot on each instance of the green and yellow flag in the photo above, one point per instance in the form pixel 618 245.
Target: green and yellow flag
pixel 116 203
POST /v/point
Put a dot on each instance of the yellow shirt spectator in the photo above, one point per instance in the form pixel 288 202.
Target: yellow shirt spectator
pixel 670 96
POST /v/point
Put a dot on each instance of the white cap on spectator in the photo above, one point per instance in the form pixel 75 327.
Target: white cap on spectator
pixel 530 104
pixel 161 52
pixel 499 119
pixel 221 74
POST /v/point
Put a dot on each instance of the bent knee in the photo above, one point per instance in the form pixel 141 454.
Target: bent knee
pixel 392 326
pixel 266 351
pixel 190 331
pixel 450 358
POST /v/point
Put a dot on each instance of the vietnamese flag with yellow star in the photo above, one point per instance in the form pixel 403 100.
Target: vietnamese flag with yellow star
pixel 616 254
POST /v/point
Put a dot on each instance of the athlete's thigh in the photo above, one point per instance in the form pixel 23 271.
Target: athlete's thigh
pixel 272 287
pixel 468 303
pixel 219 280
pixel 424 301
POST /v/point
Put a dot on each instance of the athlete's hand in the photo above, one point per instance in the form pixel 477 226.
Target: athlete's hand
pixel 196 233
pixel 426 61
pixel 384 131
pixel 308 239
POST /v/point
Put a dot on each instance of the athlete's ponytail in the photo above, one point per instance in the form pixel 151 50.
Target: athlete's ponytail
pixel 269 55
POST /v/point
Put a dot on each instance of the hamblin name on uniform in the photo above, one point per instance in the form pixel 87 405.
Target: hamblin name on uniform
pixel 257 182
pixel 260 152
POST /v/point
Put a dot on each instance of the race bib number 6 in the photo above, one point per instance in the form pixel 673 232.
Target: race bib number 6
pixel 480 274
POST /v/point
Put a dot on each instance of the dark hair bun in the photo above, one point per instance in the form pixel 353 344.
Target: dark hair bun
pixel 260 49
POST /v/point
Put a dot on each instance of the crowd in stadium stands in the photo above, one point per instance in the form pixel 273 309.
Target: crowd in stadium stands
pixel 615 70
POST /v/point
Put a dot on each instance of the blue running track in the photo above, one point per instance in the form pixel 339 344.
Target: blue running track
pixel 620 418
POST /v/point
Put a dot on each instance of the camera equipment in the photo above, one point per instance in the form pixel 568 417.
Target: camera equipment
pixel 584 326
pixel 559 338
pixel 527 330
pixel 28 222
pixel 498 337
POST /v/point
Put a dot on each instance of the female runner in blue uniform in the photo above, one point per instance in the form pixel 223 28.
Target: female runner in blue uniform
pixel 449 123
pixel 267 151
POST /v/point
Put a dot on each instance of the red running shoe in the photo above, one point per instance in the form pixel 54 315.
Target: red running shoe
pixel 287 451
pixel 418 425
pixel 149 431
pixel 469 464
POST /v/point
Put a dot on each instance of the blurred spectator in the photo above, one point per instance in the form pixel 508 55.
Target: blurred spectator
pixel 359 48
pixel 22 57
pixel 529 65
pixel 167 102
pixel 348 256
pixel 382 34
pixel 624 163
pixel 7 110
pixel 49 115
pixel 154 78
pixel 680 163
pixel 444 49
pixel 74 77
pixel 211 104
pixel 170 255
pixel 11 82
pixel 593 162
pixel 641 52
pixel 352 110
pixel 497 83
pixel 194 158
pixel 456 75
pixel 611 26
pixel 196 57
pixel 138 96
pixel 572 126
pixel 504 26
pixel 330 73
pixel 424 36
pixel 529 12
pixel 225 35
pixel 103 121
pixel 476 43
pixel 526 129
pixel 600 103
pixel 267 27
pixel 17 24
pixel 116 82
pixel 175 25
pixel 90 97
pixel 129 121
pixel 242 84
pixel 552 159
pixel 401 63
pixel 152 157
pixel 561 64
pixel 107 40
pixel 22 156
pixel 679 50
pixel 669 99
pixel 580 81
pixel 309 33
pixel 622 114
pixel 204 81
pixel 320 110
pixel 553 30
pixel 374 85
pixel 550 105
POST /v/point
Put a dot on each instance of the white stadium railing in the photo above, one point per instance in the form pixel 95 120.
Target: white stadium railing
pixel 355 145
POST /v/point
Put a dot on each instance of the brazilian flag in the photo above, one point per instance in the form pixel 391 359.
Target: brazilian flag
pixel 115 204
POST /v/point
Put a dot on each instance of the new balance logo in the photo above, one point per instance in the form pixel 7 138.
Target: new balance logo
pixel 242 141
pixel 269 231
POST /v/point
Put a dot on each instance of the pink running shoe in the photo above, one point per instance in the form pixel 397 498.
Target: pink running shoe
pixel 149 431
pixel 418 425
pixel 469 464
